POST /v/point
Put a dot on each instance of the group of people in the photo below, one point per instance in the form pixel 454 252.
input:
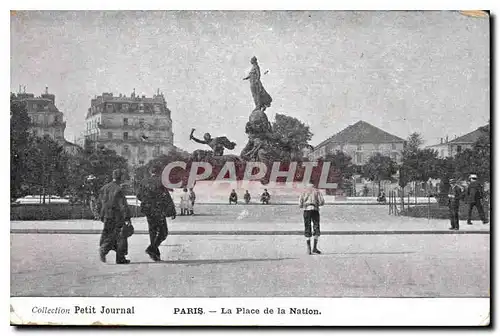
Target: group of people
pixel 264 198
pixel 187 202
pixel 114 212
pixel 472 193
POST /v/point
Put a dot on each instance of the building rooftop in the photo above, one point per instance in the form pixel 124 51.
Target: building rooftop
pixel 468 138
pixel 361 132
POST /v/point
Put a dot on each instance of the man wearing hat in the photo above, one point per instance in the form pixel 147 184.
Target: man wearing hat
pixel 114 212
pixel 156 204
pixel 474 196
pixel 454 196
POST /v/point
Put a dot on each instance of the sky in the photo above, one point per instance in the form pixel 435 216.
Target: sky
pixel 404 72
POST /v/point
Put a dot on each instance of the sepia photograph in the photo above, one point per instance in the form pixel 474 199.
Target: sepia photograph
pixel 203 163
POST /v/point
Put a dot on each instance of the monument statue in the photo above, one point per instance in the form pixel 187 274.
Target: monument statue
pixel 261 98
pixel 217 144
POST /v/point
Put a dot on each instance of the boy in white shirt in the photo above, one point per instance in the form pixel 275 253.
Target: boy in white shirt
pixel 310 200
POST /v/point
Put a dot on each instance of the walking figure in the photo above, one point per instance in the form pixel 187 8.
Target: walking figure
pixel 156 204
pixel 454 195
pixel 474 196
pixel 115 214
pixel 310 200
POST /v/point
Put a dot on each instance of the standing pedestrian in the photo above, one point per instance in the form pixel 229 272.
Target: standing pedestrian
pixel 192 199
pixel 310 200
pixel 454 195
pixel 157 205
pixel 474 196
pixel 265 197
pixel 114 212
pixel 185 202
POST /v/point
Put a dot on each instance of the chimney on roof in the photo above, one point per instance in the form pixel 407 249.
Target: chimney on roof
pixel 446 138
pixel 24 89
pixel 46 90
pixel 20 88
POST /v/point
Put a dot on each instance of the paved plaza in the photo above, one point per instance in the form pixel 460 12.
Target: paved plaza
pixel 199 261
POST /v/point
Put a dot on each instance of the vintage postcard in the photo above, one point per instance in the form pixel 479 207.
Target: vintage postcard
pixel 254 168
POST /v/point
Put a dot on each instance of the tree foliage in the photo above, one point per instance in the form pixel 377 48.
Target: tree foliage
pixel 294 134
pixel 19 141
pixel 379 168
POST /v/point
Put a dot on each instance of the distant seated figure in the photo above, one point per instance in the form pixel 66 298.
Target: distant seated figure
pixel 217 144
pixel 381 197
pixel 265 197
pixel 247 197
pixel 233 197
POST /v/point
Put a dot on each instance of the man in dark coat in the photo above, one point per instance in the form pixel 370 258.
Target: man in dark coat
pixel 156 204
pixel 114 212
pixel 475 195
pixel 454 195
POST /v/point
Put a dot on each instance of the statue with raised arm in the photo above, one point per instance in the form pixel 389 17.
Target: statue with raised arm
pixel 217 144
pixel 261 98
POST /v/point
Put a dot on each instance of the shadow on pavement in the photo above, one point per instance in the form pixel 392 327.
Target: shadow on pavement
pixel 361 253
pixel 198 262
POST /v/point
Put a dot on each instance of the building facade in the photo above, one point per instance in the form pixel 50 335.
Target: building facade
pixel 361 141
pixel 452 148
pixel 137 127
pixel 45 117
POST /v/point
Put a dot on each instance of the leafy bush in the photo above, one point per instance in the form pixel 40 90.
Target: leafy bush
pixel 56 211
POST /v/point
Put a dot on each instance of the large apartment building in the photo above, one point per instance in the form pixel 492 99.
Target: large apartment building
pixel 45 117
pixel 136 127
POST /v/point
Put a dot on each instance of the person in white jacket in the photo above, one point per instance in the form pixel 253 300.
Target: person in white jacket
pixel 310 200
pixel 186 205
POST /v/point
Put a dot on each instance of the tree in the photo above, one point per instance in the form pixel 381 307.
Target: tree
pixel 379 168
pixel 478 159
pixel 46 167
pixel 19 125
pixel 342 164
pixel 96 161
pixel 293 133
pixel 414 142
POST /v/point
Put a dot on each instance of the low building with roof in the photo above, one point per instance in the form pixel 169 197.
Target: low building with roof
pixel 451 148
pixel 361 141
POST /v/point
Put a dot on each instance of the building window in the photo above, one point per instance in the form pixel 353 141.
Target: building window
pixel 158 136
pixel 126 150
pixel 125 121
pixel 141 108
pixel 459 149
pixel 359 158
pixel 141 122
pixel 156 150
pixel 157 109
pixel 35 107
pixel 125 106
pixel 393 146
pixel 141 162
pixel 125 135
pixel 110 135
pixel 359 147
pixel 394 156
